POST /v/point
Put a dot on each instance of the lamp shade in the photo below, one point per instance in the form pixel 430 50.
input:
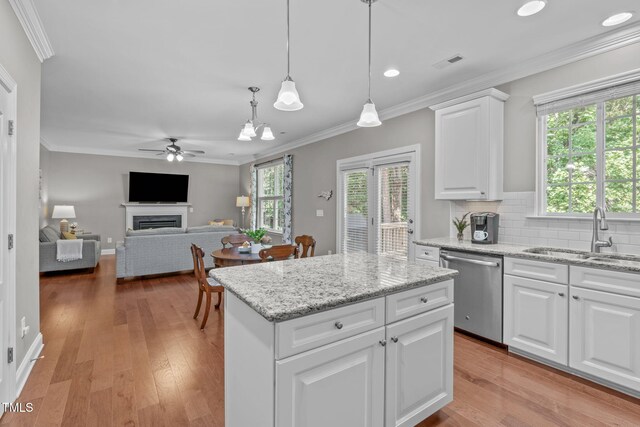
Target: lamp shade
pixel 242 201
pixel 288 97
pixel 369 117
pixel 63 211
pixel 267 134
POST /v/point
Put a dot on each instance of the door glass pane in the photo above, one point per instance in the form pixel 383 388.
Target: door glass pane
pixel 355 220
pixel 393 210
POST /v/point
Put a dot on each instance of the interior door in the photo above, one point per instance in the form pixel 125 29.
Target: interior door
pixel 7 259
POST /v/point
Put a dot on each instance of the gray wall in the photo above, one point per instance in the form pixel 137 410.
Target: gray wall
pixel 19 59
pixel 315 164
pixel 97 185
pixel 314 170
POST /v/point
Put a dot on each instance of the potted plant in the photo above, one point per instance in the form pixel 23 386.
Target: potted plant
pixel 461 225
pixel 257 236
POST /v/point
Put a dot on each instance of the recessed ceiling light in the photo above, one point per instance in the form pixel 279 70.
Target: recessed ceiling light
pixel 391 72
pixel 531 7
pixel 617 19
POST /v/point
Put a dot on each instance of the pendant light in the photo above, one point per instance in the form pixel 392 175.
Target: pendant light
pixel 251 128
pixel 288 97
pixel 369 115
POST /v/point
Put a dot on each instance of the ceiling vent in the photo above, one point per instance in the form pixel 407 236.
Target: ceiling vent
pixel 446 62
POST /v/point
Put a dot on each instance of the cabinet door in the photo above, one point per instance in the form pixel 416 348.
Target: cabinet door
pixel 462 151
pixel 605 336
pixel 339 384
pixel 419 367
pixel 536 316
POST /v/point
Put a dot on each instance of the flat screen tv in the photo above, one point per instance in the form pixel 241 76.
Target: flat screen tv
pixel 145 187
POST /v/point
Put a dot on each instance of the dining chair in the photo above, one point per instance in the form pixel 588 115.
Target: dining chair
pixel 308 244
pixel 206 285
pixel 235 240
pixel 279 253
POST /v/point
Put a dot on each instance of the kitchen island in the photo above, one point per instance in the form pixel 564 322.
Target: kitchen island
pixel 338 340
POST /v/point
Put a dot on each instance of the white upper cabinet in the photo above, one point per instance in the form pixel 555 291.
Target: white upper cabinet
pixel 469 144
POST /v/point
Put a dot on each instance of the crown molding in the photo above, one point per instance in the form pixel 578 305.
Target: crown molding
pixel 588 87
pixel 28 16
pixel 575 52
pixel 129 154
pixel 493 93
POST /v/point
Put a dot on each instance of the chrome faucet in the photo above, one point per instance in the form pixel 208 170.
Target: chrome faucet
pixel 596 243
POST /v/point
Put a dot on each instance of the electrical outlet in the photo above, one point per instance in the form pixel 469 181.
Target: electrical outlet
pixel 191 210
pixel 319 212
pixel 109 240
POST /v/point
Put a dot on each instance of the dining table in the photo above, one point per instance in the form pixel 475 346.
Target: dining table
pixel 228 257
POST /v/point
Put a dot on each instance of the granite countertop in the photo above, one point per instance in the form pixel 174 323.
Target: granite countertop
pixel 609 260
pixel 285 290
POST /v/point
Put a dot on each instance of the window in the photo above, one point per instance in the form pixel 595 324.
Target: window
pixel 590 153
pixel 270 192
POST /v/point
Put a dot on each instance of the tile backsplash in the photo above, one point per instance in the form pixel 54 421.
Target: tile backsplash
pixel 516 226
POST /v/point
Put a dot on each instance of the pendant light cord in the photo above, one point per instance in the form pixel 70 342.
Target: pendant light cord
pixel 369 49
pixel 288 55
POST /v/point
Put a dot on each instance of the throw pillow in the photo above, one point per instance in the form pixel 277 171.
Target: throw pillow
pixel 69 235
pixel 216 223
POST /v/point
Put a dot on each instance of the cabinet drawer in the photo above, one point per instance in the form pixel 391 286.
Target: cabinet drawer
pixel 616 282
pixel 427 262
pixel 539 270
pixel 428 253
pixel 415 301
pixel 304 333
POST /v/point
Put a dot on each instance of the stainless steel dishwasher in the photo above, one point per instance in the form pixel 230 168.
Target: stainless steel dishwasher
pixel 477 292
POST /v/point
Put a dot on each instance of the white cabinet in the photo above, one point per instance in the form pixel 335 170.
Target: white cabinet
pixel 419 367
pixel 605 336
pixel 469 147
pixel 536 317
pixel 340 384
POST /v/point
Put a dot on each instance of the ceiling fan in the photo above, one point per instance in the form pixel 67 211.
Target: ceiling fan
pixel 173 151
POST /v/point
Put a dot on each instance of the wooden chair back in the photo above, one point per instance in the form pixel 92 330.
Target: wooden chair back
pixel 279 253
pixel 235 240
pixel 308 244
pixel 198 265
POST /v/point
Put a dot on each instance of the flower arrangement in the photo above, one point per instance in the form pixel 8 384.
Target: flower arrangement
pixel 256 235
pixel 461 224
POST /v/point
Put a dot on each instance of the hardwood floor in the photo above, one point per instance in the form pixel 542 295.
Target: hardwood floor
pixel 131 354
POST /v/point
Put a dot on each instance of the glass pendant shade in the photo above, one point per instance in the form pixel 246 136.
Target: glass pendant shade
pixel 249 130
pixel 369 116
pixel 170 157
pixel 179 157
pixel 288 97
pixel 267 135
pixel 243 136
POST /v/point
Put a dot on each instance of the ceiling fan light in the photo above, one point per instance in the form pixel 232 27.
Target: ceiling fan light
pixel 267 134
pixel 179 157
pixel 288 97
pixel 170 157
pixel 369 116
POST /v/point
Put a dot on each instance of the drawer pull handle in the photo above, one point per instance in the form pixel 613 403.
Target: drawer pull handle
pixel 561 294
pixel 383 342
pixel 424 300
pixel 575 297
pixel 394 339
pixel 339 324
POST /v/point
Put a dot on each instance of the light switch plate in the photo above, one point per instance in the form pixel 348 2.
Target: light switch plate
pixel 319 212
pixel 190 210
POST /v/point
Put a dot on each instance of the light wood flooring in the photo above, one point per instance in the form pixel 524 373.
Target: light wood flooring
pixel 132 355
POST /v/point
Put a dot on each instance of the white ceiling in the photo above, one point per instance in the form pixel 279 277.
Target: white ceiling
pixel 128 73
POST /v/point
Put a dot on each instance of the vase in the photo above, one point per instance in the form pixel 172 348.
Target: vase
pixel 460 237
pixel 256 247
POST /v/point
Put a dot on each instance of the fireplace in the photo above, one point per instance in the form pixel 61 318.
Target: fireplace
pixel 143 222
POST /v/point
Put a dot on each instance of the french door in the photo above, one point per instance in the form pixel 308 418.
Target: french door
pixel 376 205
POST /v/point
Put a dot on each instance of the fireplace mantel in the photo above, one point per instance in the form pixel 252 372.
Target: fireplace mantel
pixel 135 209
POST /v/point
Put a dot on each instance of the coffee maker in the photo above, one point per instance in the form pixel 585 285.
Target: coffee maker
pixel 484 227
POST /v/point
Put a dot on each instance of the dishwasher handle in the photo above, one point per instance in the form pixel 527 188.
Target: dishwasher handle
pixel 470 261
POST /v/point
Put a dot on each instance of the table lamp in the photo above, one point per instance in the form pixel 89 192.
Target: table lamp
pixel 242 202
pixel 63 212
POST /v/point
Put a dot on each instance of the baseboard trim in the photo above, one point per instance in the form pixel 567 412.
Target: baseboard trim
pixel 108 252
pixel 22 374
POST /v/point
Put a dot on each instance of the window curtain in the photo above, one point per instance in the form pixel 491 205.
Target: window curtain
pixel 254 197
pixel 287 229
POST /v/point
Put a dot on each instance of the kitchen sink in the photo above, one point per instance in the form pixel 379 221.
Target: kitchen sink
pixel 564 253
pixel 621 260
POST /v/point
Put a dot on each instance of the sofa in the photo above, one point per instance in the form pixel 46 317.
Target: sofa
pixel 48 250
pixel 166 250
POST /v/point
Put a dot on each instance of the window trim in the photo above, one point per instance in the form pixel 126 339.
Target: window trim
pixel 259 199
pixel 599 92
